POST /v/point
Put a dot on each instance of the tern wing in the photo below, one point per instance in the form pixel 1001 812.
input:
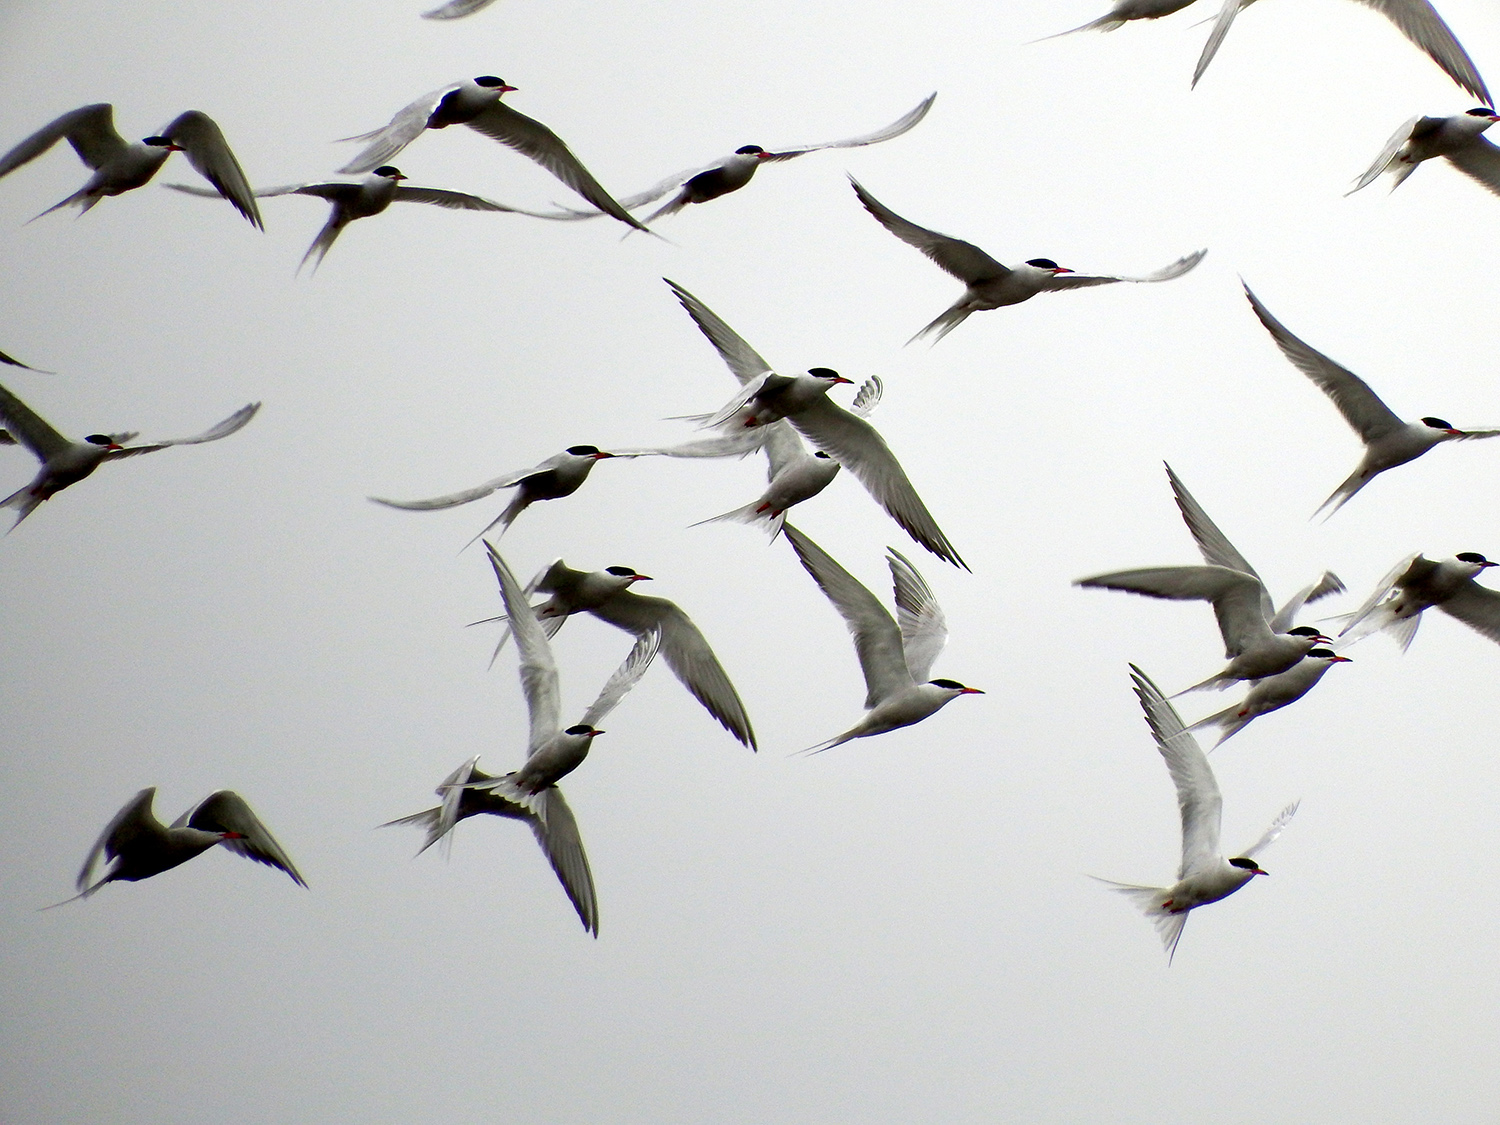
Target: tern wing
pixel 390 139
pixel 877 638
pixel 132 821
pixel 1286 616
pixel 1479 160
pixel 203 143
pixel 1236 597
pixel 924 629
pixel 1386 585
pixel 1222 22
pixel 625 677
pixel 226 811
pixel 1477 607
pixel 1388 154
pixel 742 360
pixel 456 9
pixel 27 427
pixel 1419 22
pixel 89 129
pixel 556 830
pixel 453 499
pixel 1277 826
pixel 1360 406
pixel 1198 798
pixel 233 424
pixel 903 123
pixel 1083 280
pixel 963 260
pixel 457 201
pixel 1214 545
pixel 538 668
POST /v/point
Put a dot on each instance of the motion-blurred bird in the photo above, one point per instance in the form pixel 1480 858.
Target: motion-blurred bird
pixel 894 658
pixel 66 462
pixel 1388 440
pixel 1457 138
pixel 990 284
pixel 120 166
pixel 1204 875
pixel 1123 12
pixel 1272 693
pixel 1416 584
pixel 476 103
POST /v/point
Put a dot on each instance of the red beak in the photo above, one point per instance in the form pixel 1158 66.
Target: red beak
pixel 602 456
pixel 1061 269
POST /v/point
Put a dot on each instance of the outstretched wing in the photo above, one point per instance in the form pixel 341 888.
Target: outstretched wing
pixel 1272 832
pixel 1181 266
pixel 89 129
pixel 538 667
pixel 233 424
pixel 924 629
pixel 903 123
pixel 203 143
pixel 226 811
pixel 625 677
pixel 963 260
pixel 1198 798
pixel 28 427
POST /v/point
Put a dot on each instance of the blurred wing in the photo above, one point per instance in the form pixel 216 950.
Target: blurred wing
pixel 1477 607
pixel 533 139
pixel 331 191
pixel 742 444
pixel 1277 826
pixel 1083 280
pixel 924 629
pixel 90 130
pixel 856 445
pixel 1479 160
pixel 1226 16
pixel 963 260
pixel 1198 796
pixel 1236 597
pixel 126 825
pixel 1360 406
pixel 226 811
pixel 1419 22
pixel 626 676
pixel 742 360
pixel 456 200
pixel 877 639
pixel 203 143
pixel 404 128
pixel 233 424
pixel 29 429
pixel 1387 154
pixel 1387 584
pixel 556 831
pixel 782 446
pixel 453 499
pixel 538 668
pixel 457 9
pixel 1286 616
pixel 1214 545
pixel 867 398
pixel 903 123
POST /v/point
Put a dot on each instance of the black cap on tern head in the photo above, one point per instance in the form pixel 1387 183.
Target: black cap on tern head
pixel 1437 423
pixel 1321 653
pixel 582 728
pixel 582 450
pixel 1247 864
pixel 620 571
pixel 99 439
pixel 1481 111
pixel 747 150
pixel 823 372
pixel 1304 631
pixel 1465 556
pixel 387 170
pixel 1042 263
pixel 821 454
pixel 489 80
pixel 157 142
pixel 952 685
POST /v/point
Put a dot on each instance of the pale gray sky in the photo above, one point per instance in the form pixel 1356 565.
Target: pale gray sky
pixel 897 931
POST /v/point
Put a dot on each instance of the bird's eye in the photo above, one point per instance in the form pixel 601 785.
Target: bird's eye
pixel 821 454
pixel 1241 861
pixel 1481 111
pixel 157 142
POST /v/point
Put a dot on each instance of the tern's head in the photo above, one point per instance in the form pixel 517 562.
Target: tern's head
pixel 1247 865
pixel 1047 264
pixel 955 687
pixel 828 373
pixel 1440 424
pixel 490 82
pixel 1328 655
pixel 104 440
pixel 627 573
pixel 583 730
pixel 1483 111
pixel 1307 631
pixel 388 172
pixel 590 451
pixel 752 150
pixel 1475 560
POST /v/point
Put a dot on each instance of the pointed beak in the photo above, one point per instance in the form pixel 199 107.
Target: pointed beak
pixel 115 446
pixel 1342 660
pixel 971 691
pixel 1455 433
pixel 602 456
pixel 1061 269
pixel 640 578
pixel 1258 871
pixel 841 379
pixel 597 733
pixel 508 89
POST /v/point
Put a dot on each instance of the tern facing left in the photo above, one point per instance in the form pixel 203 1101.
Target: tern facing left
pixel 1204 875
pixel 892 657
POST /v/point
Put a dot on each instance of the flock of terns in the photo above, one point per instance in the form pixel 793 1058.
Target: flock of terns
pixel 782 415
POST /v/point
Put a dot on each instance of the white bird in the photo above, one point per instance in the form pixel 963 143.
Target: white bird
pixel 372 195
pixel 1423 138
pixel 606 594
pixel 1252 648
pixel 66 462
pixel 556 477
pixel 990 284
pixel 1416 584
pixel 1204 875
pixel 1123 12
pixel 895 659
pixel 709 181
pixel 141 846
pixel 476 103
pixel 553 825
pixel 1415 19
pixel 1272 693
pixel 120 165
pixel 1388 440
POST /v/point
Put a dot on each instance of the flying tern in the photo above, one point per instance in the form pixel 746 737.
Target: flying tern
pixel 1272 693
pixel 120 165
pixel 476 103
pixel 372 195
pixel 1388 440
pixel 456 9
pixel 1457 138
pixel 552 823
pixel 1123 12
pixel 141 846
pixel 990 284
pixel 1416 19
pixel 894 658
pixel 607 595
pixel 66 462
pixel 730 173
pixel 556 477
pixel 13 362
pixel 1204 875
pixel 1416 584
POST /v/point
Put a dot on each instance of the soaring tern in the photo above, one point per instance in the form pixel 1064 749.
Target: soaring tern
pixel 141 846
pixel 894 658
pixel 1123 12
pixel 607 595
pixel 1388 440
pixel 1272 693
pixel 1204 875
pixel 476 103
pixel 1423 138
pixel 1416 19
pixel 990 284
pixel 1416 584
pixel 66 462
pixel 120 165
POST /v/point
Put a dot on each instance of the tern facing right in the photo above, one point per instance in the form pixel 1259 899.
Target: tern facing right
pixel 1417 584
pixel 1388 440
pixel 892 657
pixel 1272 693
pixel 990 284
pixel 1423 138
pixel 1123 12
pixel 1204 875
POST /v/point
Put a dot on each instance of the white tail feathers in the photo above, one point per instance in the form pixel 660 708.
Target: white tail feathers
pixel 1150 901
pixel 753 512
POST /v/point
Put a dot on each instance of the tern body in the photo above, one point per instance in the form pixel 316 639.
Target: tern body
pixel 1126 10
pixel 1273 693
pixel 1417 584
pixel 1424 138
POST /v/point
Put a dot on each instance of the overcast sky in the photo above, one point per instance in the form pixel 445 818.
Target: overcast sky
pixel 900 930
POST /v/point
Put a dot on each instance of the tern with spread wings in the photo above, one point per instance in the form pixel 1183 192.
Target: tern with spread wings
pixel 1272 693
pixel 1416 584
pixel 1457 138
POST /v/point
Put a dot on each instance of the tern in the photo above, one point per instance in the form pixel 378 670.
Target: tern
pixel 1388 440
pixel 894 658
pixel 372 195
pixel 1123 12
pixel 607 595
pixel 476 103
pixel 66 462
pixel 456 9
pixel 710 181
pixel 1457 138
pixel 120 166
pixel 553 825
pixel 12 361
pixel 142 846
pixel 990 284
pixel 1272 693
pixel 1416 584
pixel 1415 19
pixel 553 479
pixel 1204 875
